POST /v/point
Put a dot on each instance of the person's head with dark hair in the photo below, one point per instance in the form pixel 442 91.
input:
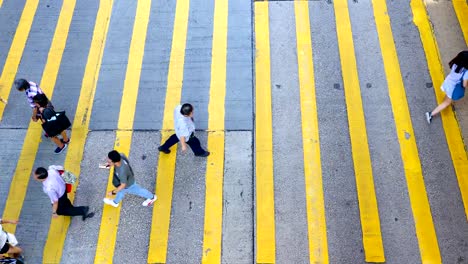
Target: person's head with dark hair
pixel 41 174
pixel 114 156
pixel 186 109
pixel 461 60
pixel 41 100
pixel 21 84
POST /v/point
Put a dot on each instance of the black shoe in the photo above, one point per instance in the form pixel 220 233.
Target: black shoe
pixel 65 142
pixel 166 151
pixel 86 215
pixel 205 154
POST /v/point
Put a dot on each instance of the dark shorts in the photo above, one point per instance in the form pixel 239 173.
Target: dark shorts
pixel 5 248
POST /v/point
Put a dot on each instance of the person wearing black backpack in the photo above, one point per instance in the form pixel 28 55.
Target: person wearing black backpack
pixel 53 123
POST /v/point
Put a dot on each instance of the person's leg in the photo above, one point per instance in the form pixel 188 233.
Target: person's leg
pixel 65 138
pixel 169 143
pixel 194 144
pixel 136 189
pixel 120 195
pixel 447 101
pixel 65 207
pixel 14 251
pixel 57 141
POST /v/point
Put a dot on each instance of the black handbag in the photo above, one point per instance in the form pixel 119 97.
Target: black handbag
pixel 55 123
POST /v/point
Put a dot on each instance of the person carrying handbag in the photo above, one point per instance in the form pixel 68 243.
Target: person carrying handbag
pixel 53 123
pixel 454 85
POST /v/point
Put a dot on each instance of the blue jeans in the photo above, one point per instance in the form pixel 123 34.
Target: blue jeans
pixel 134 189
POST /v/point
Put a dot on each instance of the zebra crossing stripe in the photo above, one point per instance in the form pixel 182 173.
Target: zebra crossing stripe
pixel 370 221
pixel 215 162
pixel 157 251
pixel 461 9
pixel 424 225
pixel 317 230
pixel 16 50
pixel 59 226
pixel 265 204
pixel 449 122
pixel 20 180
pixel 110 215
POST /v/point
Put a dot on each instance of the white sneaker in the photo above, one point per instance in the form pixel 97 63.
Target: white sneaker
pixel 149 202
pixel 110 202
pixel 428 117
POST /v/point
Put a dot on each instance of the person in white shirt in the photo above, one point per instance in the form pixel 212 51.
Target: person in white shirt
pixel 184 132
pixel 5 246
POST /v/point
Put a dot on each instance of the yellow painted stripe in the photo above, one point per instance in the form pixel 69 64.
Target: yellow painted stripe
pixel 59 226
pixel 370 223
pixel 16 51
pixel 425 231
pixel 317 230
pixel 215 162
pixel 20 181
pixel 166 163
pixel 449 122
pixel 1 3
pixel 264 184
pixel 110 215
pixel 461 9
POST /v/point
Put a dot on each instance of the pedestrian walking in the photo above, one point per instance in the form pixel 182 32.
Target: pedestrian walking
pixel 46 114
pixel 184 132
pixel 5 244
pixel 31 89
pixel 54 186
pixel 454 85
pixel 124 181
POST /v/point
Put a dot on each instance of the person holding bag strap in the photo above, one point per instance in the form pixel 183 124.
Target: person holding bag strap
pixel 454 85
pixel 53 123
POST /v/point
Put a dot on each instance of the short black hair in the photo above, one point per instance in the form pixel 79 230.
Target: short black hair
pixel 41 173
pixel 114 156
pixel 186 109
pixel 21 84
pixel 41 99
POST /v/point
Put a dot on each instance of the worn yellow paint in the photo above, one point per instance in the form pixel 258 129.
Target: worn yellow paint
pixel 449 121
pixel 20 181
pixel 59 226
pixel 264 182
pixel 166 163
pixel 425 231
pixel 215 162
pixel 316 226
pixel 16 51
pixel 1 3
pixel 461 9
pixel 110 215
pixel 370 222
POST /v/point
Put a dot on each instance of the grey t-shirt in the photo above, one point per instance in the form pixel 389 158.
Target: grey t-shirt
pixel 124 173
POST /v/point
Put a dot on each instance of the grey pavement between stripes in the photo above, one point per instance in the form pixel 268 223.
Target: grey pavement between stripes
pixel 187 217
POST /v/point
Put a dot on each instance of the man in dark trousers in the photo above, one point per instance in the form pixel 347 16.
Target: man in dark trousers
pixel 184 132
pixel 54 186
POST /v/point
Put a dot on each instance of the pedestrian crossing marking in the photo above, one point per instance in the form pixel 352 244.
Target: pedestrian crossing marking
pixel 59 226
pixel 449 122
pixel 264 183
pixel 157 250
pixel 110 216
pixel 424 225
pixel 215 162
pixel 16 51
pixel 317 229
pixel 461 9
pixel 370 221
pixel 20 181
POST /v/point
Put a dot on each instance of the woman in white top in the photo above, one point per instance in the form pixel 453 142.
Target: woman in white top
pixel 458 72
pixel 5 247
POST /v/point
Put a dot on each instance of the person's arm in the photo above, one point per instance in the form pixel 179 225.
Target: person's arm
pixel 5 221
pixel 465 83
pixel 34 114
pixel 184 144
pixel 118 189
pixel 54 209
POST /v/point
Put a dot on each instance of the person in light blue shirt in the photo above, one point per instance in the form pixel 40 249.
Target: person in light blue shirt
pixel 184 132
pixel 458 75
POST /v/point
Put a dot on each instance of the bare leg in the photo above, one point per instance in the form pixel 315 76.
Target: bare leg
pixel 64 136
pixel 14 251
pixel 57 141
pixel 447 101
